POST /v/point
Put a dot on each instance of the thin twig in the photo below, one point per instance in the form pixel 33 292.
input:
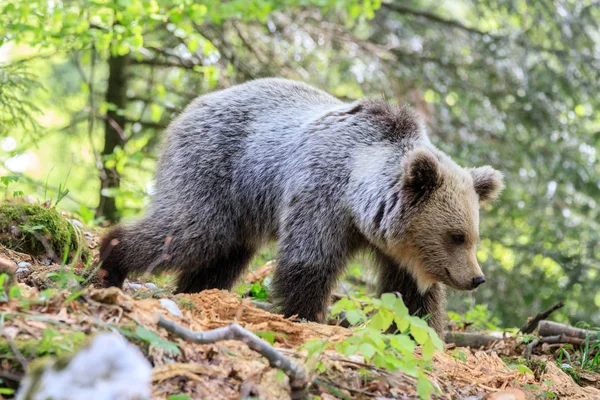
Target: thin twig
pixel 11 376
pixel 555 339
pixel 530 347
pixel 532 324
pixel 298 379
pixel 18 355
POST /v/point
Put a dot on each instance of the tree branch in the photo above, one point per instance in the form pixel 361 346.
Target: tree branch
pixel 400 9
pixel 470 339
pixel 532 324
pixel 298 379
pixel 549 328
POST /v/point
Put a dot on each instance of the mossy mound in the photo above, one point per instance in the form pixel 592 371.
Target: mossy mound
pixel 40 232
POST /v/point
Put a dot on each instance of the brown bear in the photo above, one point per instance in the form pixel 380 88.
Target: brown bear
pixel 275 159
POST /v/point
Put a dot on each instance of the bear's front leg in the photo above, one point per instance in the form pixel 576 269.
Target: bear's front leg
pixel 395 278
pixel 313 250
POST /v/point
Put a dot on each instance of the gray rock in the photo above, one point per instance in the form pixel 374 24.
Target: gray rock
pixel 150 285
pixel 22 270
pixel 109 368
pixel 24 264
pixel 171 307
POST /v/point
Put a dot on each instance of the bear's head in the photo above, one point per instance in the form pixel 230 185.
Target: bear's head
pixel 441 218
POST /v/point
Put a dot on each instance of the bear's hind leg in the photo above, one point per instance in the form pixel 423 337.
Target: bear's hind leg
pixel 395 278
pixel 135 248
pixel 219 273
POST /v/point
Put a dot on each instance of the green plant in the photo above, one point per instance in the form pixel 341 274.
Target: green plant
pixel 40 231
pixel 154 340
pixel 479 317
pixel 590 354
pixel 395 352
pixel 545 392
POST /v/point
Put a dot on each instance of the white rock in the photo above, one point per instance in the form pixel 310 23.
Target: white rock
pixel 110 368
pixel 171 307
pixel 22 270
pixel 134 286
pixel 24 264
pixel 150 285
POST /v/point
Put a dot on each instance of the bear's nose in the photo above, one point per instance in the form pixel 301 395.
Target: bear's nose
pixel 478 281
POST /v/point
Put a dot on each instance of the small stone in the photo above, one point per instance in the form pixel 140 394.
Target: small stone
pixel 171 307
pixel 150 285
pixel 134 286
pixel 24 264
pixel 508 394
pixel 22 270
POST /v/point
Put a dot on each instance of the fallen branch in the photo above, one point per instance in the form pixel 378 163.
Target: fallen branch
pixel 549 328
pixel 262 305
pixel 556 339
pixel 297 376
pixel 468 339
pixel 532 323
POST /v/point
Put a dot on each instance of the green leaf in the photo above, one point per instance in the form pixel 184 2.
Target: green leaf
pixel 424 387
pixel 156 341
pixel 402 343
pixel 14 292
pixel 428 349
pixel 382 320
pixel 280 376
pixel 437 342
pixel 524 369
pixel 350 350
pixel 367 350
pixel 421 335
pixel 7 179
pixel 342 305
pixel 400 310
pixel 354 316
pixel 267 335
pixel 179 397
pixel 389 299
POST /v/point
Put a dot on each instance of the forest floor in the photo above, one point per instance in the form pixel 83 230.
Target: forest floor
pixel 37 321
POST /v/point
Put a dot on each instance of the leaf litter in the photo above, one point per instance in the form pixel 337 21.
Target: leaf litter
pixel 229 369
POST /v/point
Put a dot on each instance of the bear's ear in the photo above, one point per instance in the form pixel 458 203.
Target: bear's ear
pixel 488 183
pixel 421 172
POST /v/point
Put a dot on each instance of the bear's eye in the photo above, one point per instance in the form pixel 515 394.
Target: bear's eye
pixel 458 238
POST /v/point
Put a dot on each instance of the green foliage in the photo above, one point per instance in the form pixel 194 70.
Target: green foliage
pixel 533 367
pixel 40 231
pixel 156 341
pixel 394 352
pixel 52 343
pixel 478 317
pixel 179 397
pixel 586 357
pixel 17 110
pixel 270 336
pixel 258 291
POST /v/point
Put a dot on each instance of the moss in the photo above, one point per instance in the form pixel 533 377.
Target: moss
pixel 24 227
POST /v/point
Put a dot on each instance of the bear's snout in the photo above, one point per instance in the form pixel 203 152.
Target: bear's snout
pixel 478 281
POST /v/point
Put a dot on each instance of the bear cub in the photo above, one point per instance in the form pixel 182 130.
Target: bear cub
pixel 278 159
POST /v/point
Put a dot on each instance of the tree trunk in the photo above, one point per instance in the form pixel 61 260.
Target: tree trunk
pixel 116 96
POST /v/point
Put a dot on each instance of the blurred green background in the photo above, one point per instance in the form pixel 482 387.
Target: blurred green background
pixel 88 86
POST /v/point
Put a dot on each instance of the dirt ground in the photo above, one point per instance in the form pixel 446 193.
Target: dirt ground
pixel 229 369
